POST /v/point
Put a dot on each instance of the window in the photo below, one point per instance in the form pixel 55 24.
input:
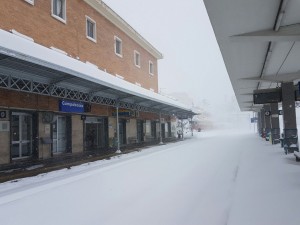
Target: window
pixel 90 29
pixel 137 59
pixel 30 1
pixel 59 10
pixel 151 68
pixel 118 46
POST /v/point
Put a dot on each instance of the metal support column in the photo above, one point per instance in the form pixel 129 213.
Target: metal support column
pixel 267 116
pixel 160 130
pixel 263 125
pixel 118 130
pixel 182 129
pixel 259 123
pixel 289 118
pixel 275 128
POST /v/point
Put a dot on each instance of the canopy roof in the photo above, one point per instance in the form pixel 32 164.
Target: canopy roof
pixel 259 42
pixel 27 66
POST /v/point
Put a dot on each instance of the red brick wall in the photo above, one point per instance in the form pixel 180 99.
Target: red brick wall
pixel 36 22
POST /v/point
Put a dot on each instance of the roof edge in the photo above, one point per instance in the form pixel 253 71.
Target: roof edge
pixel 114 18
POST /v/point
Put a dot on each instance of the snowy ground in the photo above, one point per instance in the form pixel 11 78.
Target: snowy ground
pixel 215 178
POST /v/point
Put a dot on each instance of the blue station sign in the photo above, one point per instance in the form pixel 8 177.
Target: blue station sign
pixel 71 106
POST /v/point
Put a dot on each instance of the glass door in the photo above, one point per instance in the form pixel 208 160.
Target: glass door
pixel 91 138
pixel 122 132
pixel 21 138
pixel 59 135
pixel 140 130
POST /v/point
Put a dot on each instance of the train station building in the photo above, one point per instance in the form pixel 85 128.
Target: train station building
pixel 75 77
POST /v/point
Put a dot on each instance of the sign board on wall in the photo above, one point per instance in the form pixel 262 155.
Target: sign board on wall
pixel 4 126
pixel 71 106
pixel 124 113
pixel 2 114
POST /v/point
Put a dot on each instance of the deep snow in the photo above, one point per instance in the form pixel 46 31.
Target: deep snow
pixel 211 179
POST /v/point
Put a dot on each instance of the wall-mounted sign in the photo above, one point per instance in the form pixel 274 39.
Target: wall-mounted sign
pixel 4 126
pixel 2 114
pixel 47 117
pixel 124 113
pixel 47 129
pixel 267 96
pixel 71 106
pixel 280 112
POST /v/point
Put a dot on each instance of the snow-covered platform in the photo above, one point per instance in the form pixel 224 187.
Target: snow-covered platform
pixel 210 178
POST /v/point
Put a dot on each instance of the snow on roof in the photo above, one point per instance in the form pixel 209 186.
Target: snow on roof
pixel 24 49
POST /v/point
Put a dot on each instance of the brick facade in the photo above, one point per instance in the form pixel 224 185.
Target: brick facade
pixel 37 22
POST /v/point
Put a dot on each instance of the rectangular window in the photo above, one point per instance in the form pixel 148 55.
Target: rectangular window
pixel 151 68
pixel 30 1
pixel 118 46
pixel 59 10
pixel 137 59
pixel 90 29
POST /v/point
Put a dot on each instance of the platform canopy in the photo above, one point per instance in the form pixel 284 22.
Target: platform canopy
pixel 259 42
pixel 29 67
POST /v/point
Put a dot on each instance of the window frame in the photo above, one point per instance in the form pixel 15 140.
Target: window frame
pixel 64 19
pixel 119 40
pixel 151 64
pixel 139 58
pixel 31 2
pixel 94 39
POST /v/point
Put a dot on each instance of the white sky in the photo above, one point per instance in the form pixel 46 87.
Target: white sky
pixel 181 30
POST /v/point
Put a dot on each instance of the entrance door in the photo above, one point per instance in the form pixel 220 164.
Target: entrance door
pixel 122 132
pixel 163 130
pixel 169 130
pixel 91 136
pixel 96 130
pixel 140 131
pixel 59 135
pixel 153 129
pixel 21 128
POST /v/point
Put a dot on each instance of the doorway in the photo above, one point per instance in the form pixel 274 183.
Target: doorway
pixel 153 129
pixel 96 133
pixel 163 130
pixel 59 136
pixel 140 130
pixel 122 131
pixel 21 135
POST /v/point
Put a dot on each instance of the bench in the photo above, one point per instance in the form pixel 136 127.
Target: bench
pixel 290 145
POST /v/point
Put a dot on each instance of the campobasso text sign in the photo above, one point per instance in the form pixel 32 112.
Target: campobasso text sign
pixel 71 106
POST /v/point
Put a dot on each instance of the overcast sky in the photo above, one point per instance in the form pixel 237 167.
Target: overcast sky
pixel 181 30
